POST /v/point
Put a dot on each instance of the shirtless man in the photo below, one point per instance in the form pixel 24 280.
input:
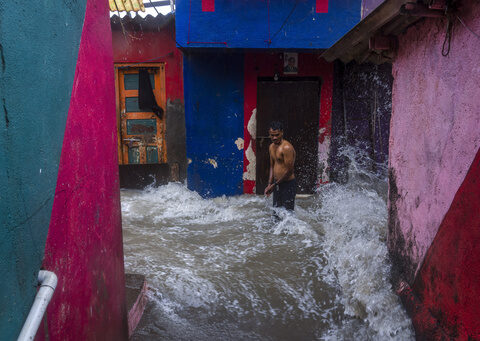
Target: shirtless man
pixel 282 159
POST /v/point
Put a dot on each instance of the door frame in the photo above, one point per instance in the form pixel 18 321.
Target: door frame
pixel 160 96
pixel 268 64
pixel 263 136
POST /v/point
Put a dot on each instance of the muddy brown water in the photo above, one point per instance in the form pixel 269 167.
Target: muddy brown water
pixel 225 269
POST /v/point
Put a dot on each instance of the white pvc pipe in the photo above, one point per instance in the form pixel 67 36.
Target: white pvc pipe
pixel 48 283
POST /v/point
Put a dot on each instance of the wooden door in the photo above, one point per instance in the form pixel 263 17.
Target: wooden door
pixel 296 104
pixel 141 134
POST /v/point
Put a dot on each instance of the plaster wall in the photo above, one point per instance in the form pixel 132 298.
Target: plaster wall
pixel 265 23
pixel 214 122
pixel 434 132
pixel 38 52
pixel 84 245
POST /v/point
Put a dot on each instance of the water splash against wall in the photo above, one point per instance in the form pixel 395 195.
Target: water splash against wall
pixel 224 269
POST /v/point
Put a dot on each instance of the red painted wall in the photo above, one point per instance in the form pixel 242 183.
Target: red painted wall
pixel 143 46
pixel 448 283
pixel 84 244
pixel 266 65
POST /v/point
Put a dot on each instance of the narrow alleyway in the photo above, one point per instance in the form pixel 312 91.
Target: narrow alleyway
pixel 224 269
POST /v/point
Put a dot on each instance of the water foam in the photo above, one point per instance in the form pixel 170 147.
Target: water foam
pixel 225 265
pixel 354 220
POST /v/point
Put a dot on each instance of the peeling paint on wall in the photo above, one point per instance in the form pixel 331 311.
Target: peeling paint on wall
pixel 252 124
pixel 250 174
pixel 213 162
pixel 239 142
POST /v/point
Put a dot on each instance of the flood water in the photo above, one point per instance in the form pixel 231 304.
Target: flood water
pixel 226 269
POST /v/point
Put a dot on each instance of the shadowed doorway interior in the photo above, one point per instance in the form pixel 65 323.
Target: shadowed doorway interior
pixel 296 103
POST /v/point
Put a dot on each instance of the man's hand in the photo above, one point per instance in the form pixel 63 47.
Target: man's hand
pixel 269 189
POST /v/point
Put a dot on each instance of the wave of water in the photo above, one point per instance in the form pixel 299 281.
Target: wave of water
pixel 226 269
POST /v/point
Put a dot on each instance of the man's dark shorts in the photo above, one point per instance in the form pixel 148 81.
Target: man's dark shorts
pixel 284 194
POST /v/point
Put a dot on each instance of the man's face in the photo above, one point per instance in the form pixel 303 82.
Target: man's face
pixel 275 135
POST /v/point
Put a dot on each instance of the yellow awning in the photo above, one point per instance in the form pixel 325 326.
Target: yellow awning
pixel 126 5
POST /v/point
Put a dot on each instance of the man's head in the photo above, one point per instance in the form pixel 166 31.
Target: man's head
pixel 291 61
pixel 276 132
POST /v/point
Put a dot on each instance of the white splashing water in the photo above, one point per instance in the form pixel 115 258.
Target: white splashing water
pixel 224 269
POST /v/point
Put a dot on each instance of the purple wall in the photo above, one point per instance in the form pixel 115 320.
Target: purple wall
pixel 369 5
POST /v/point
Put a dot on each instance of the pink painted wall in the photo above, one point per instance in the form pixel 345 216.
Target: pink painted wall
pixel 84 244
pixel 434 134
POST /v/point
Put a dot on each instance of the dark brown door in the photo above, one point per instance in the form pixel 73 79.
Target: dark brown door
pixel 297 105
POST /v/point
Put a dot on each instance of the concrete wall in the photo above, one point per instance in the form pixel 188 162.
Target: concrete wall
pixel 361 110
pixel 155 42
pixel 265 23
pixel 434 180
pixel 38 53
pixel 84 245
pixel 214 121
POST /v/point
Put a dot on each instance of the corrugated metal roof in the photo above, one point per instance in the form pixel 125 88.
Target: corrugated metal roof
pixel 149 23
pixel 126 5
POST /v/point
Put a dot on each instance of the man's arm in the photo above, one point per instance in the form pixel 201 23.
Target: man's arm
pixel 270 185
pixel 272 161
pixel 289 161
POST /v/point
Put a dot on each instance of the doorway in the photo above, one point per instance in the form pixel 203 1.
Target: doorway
pixel 296 103
pixel 141 134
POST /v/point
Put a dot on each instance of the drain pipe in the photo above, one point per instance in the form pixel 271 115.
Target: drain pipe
pixel 48 282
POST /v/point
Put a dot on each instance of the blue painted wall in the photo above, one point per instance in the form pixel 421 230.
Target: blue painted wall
pixel 38 51
pixel 245 23
pixel 213 85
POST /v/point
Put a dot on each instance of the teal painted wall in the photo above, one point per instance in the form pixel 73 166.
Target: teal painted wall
pixel 38 52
